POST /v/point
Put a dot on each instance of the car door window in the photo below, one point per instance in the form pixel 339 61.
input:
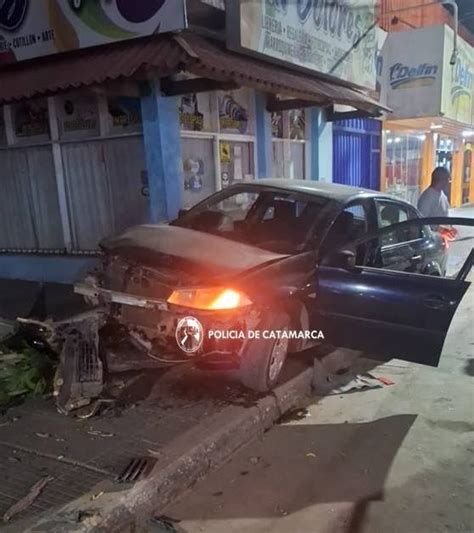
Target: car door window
pixel 389 213
pixel 350 224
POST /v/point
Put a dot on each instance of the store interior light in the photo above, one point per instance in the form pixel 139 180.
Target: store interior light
pixel 397 139
pixel 468 133
pixel 389 140
pixel 422 137
pixel 436 126
pixel 387 131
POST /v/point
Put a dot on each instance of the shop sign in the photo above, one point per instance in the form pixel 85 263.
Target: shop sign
pixel 194 112
pixel 411 72
pixel 78 115
pixel 31 119
pixel 233 113
pixel 125 114
pixel 224 152
pixel 34 28
pixel 403 76
pixel 333 37
pixel 458 81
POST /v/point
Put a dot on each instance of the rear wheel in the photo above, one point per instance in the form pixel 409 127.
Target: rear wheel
pixel 263 358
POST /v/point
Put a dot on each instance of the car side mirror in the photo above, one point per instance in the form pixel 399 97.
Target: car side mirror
pixel 182 212
pixel 342 259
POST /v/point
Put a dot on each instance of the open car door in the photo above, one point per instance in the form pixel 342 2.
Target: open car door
pixel 391 313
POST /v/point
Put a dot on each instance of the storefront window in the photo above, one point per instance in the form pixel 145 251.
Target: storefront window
pixel 31 122
pixel 217 141
pixel 78 115
pixel 403 164
pixel 289 135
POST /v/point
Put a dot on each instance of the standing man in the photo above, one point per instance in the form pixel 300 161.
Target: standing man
pixel 433 202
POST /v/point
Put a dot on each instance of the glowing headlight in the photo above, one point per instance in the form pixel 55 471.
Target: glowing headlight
pixel 209 299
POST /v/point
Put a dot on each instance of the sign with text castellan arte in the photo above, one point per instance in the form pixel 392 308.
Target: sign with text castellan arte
pixel 418 80
pixel 34 28
pixel 332 37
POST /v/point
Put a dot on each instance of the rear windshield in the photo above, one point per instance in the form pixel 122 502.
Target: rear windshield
pixel 274 220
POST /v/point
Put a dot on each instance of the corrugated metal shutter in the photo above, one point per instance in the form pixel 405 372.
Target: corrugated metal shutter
pixel 356 153
pixel 104 188
pixel 29 208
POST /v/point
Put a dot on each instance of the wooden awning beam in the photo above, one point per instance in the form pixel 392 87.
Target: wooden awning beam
pixel 195 85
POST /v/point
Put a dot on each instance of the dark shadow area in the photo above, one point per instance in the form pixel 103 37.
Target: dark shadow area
pixel 297 466
pixel 469 368
pixel 37 300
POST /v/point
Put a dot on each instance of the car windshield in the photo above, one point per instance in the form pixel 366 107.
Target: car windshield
pixel 271 219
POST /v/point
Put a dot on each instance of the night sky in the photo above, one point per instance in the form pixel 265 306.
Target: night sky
pixel 466 13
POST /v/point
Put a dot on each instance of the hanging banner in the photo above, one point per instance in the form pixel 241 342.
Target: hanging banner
pixel 34 28
pixel 332 37
pixel 418 79
pixel 458 81
pixel 412 72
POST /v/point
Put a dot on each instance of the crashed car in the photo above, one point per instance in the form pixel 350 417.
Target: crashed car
pixel 359 267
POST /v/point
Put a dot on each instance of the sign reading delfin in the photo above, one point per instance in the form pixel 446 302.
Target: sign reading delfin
pixel 405 76
pixel 333 37
pixel 33 28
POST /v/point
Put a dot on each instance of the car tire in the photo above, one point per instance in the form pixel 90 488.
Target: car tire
pixel 262 359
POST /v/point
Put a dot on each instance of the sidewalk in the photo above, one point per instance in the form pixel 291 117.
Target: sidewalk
pixel 183 421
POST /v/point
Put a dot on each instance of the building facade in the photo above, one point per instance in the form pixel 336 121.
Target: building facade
pixel 104 127
pixel 429 86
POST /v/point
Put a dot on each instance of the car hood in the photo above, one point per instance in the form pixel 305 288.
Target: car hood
pixel 162 245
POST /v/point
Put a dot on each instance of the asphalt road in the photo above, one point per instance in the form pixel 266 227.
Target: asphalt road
pixel 393 459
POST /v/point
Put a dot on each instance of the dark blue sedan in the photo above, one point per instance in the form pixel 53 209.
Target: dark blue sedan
pixel 266 268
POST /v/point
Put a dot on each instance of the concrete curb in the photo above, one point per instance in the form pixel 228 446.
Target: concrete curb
pixel 203 448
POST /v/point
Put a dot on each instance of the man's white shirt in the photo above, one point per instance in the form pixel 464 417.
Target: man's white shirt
pixel 433 203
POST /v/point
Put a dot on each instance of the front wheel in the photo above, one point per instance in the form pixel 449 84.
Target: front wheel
pixel 263 358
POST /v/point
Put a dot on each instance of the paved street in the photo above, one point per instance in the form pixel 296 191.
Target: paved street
pixel 395 459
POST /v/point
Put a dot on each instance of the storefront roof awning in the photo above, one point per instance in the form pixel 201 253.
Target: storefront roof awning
pixel 169 54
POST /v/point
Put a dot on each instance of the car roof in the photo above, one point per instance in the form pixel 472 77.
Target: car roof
pixel 333 191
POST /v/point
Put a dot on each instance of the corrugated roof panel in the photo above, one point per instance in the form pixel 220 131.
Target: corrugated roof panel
pixel 168 54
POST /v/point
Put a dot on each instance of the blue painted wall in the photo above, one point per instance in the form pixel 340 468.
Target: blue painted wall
pixel 161 137
pixel 263 122
pixel 320 136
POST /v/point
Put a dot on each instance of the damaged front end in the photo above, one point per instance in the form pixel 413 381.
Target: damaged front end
pixel 138 304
